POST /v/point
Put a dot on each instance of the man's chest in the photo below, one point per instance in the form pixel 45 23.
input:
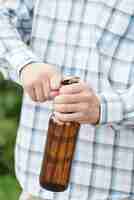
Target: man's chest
pixel 64 32
pixel 113 16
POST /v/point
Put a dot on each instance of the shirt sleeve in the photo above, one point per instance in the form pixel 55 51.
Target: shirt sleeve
pixel 117 109
pixel 15 30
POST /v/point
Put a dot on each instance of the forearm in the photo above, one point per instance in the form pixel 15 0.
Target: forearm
pixel 13 49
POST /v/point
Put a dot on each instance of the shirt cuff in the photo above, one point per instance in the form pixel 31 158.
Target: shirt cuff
pixel 111 109
pixel 20 58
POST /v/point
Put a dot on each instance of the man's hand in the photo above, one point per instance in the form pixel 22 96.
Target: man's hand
pixel 77 102
pixel 39 80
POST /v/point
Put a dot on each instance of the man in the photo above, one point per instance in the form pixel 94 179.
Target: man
pixel 90 39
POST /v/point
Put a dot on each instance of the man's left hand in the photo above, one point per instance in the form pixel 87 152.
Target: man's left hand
pixel 77 102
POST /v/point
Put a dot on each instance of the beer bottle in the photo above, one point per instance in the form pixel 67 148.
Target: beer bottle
pixel 59 150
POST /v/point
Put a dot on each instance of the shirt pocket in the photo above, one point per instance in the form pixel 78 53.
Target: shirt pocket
pixel 116 41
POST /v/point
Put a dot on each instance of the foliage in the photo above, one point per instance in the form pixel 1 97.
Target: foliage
pixel 10 105
pixel 9 189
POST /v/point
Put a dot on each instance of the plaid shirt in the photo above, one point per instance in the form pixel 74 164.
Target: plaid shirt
pixel 93 39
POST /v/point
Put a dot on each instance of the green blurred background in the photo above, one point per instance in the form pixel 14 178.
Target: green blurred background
pixel 10 105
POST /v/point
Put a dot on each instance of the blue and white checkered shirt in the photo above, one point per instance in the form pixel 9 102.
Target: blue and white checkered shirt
pixel 93 39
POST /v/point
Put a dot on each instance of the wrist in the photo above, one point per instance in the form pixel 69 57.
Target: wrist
pixel 25 67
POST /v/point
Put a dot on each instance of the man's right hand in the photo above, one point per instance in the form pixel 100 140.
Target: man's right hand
pixel 39 80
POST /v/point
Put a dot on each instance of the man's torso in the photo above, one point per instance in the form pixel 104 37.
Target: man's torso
pixel 93 40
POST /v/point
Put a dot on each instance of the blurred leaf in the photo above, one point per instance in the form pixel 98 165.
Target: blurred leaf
pixel 7 141
pixel 9 188
pixel 10 105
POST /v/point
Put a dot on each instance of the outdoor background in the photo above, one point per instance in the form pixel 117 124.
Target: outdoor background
pixel 10 104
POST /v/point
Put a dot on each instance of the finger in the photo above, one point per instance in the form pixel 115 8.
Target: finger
pixel 73 98
pixel 46 88
pixel 31 93
pixel 39 92
pixel 69 108
pixel 55 81
pixel 58 121
pixel 69 117
pixel 53 94
pixel 73 88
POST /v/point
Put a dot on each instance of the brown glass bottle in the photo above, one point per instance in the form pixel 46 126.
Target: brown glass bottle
pixel 59 150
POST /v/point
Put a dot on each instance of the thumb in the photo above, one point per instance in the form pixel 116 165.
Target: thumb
pixel 55 81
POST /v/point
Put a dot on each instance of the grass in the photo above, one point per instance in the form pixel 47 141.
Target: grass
pixel 9 188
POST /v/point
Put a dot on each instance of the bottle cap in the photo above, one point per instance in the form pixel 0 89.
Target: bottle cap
pixel 70 80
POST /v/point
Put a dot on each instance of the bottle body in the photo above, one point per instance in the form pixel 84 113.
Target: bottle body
pixel 60 146
pixel 59 151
